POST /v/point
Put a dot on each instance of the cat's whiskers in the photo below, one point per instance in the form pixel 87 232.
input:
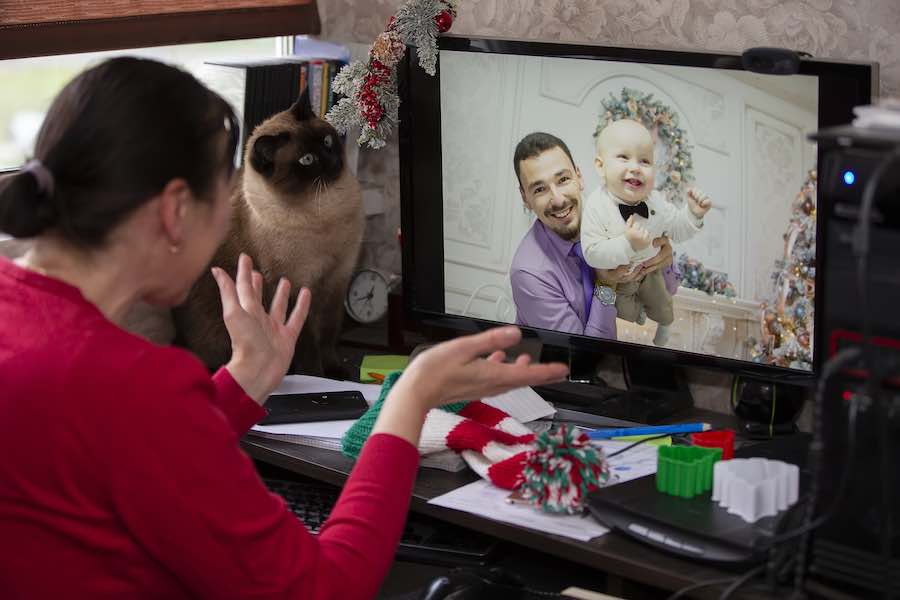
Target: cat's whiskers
pixel 320 185
pixel 324 184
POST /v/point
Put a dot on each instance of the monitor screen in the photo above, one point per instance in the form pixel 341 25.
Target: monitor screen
pixel 621 200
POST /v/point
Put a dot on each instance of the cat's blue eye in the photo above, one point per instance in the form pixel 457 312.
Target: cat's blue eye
pixel 307 159
pixel 328 141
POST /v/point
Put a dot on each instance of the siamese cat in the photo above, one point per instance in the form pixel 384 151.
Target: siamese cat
pixel 297 211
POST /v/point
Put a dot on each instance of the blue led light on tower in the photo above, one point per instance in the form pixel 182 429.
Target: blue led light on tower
pixel 849 177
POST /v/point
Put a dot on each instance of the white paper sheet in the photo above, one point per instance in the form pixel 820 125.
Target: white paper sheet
pixel 324 429
pixel 482 498
pixel 634 463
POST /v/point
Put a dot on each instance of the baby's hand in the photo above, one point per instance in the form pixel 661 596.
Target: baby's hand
pixel 637 235
pixel 698 202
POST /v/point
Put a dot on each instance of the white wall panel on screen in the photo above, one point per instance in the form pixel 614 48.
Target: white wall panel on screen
pixel 775 175
pixel 482 212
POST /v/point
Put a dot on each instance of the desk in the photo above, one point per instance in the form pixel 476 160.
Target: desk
pixel 613 554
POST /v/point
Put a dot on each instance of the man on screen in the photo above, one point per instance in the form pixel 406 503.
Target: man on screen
pixel 553 288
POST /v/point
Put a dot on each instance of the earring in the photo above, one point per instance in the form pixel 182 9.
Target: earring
pixel 174 249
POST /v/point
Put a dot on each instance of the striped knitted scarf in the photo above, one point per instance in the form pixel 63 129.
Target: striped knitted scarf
pixel 554 471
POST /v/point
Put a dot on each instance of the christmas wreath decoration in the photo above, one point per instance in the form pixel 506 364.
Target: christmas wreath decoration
pixel 677 166
pixel 369 87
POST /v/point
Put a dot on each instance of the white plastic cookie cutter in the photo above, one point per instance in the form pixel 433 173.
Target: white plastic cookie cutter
pixel 753 488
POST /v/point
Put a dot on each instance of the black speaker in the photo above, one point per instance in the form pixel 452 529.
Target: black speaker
pixel 849 159
pixel 858 415
pixel 766 409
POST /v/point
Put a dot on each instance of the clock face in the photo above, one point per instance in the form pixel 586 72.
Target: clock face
pixel 367 297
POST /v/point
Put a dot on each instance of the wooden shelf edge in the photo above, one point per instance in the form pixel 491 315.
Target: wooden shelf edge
pixel 46 39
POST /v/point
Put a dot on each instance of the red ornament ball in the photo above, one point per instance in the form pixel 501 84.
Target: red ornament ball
pixel 444 20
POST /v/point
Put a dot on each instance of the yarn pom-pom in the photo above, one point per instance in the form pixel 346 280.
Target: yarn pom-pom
pixel 561 470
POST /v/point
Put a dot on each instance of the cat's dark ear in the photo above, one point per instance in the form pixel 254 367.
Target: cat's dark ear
pixel 302 110
pixel 263 156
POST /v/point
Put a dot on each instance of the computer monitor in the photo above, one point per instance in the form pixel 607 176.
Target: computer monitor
pixel 739 136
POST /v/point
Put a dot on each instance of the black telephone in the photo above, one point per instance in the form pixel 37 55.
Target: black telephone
pixel 307 408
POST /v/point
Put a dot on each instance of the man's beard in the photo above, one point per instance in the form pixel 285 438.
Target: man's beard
pixel 570 231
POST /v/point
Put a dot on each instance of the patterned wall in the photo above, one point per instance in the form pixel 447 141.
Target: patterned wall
pixel 849 29
pixel 845 29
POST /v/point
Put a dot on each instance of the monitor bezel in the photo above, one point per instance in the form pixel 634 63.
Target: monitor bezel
pixel 842 85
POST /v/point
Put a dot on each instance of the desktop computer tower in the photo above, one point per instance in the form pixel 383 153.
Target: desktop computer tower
pixel 858 549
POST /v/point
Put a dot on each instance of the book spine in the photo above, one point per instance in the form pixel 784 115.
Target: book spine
pixel 315 85
pixel 304 77
pixel 326 89
pixel 332 95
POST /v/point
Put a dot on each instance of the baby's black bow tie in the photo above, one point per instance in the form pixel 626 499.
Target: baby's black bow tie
pixel 640 208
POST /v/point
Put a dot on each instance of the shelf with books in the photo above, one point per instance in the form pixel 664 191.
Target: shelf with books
pixel 48 27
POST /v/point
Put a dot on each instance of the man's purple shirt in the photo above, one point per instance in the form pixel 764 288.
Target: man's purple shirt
pixel 547 289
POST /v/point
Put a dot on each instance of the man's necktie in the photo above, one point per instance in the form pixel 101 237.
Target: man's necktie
pixel 587 279
pixel 640 209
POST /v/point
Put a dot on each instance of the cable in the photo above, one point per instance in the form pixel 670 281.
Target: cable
pixel 774 404
pixel 884 416
pixel 842 486
pixel 831 368
pixel 637 443
pixel 741 581
pixel 697 586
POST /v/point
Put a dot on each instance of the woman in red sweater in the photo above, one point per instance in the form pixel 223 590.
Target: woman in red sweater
pixel 121 473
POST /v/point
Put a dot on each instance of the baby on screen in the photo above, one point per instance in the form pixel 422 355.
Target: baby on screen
pixel 622 217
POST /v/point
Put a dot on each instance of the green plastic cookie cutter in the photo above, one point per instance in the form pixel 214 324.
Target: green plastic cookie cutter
pixel 685 471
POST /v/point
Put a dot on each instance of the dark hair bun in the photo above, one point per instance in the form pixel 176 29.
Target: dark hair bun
pixel 24 211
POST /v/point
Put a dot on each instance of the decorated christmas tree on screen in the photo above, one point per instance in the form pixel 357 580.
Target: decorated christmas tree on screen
pixel 786 319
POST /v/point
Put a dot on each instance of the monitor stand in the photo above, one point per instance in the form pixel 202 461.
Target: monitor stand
pixel 656 390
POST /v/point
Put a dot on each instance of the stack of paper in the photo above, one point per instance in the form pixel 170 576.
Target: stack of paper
pixel 523 404
pixel 484 499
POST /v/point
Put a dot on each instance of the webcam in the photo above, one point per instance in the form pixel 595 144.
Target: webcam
pixel 772 61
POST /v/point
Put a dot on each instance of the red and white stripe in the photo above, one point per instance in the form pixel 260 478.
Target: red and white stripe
pixel 494 444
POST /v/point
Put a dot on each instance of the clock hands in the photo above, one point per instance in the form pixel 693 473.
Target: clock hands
pixel 367 297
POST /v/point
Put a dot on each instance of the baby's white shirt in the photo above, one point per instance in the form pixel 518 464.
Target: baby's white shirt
pixel 603 239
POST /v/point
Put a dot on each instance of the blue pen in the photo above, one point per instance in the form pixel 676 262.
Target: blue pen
pixel 605 434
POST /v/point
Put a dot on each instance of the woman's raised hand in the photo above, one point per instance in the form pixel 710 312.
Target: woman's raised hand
pixel 262 343
pixel 457 370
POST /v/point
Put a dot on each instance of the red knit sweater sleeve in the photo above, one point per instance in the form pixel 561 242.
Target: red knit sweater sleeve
pixel 188 494
pixel 239 408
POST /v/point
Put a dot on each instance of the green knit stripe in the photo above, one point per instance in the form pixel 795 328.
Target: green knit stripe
pixel 356 436
pixel 455 407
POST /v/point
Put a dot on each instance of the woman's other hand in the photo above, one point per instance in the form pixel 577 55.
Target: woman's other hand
pixel 262 343
pixel 457 370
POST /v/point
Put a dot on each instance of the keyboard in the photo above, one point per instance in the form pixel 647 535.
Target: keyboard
pixel 424 540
